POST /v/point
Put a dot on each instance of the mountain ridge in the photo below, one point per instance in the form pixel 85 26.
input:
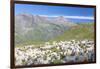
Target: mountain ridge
pixel 36 27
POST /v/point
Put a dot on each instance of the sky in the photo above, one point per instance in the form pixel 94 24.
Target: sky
pixel 54 11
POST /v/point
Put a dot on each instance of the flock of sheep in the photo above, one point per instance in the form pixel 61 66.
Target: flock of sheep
pixel 55 53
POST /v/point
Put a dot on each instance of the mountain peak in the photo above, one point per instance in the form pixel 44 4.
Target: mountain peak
pixel 61 19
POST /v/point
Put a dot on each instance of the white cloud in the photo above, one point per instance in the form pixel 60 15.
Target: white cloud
pixel 80 17
pixel 74 17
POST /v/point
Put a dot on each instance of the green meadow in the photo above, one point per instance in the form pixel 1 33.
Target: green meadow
pixel 80 32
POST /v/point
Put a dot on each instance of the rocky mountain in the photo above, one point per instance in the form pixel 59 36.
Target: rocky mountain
pixel 39 28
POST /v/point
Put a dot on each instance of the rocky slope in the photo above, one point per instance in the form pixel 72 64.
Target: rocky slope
pixel 39 28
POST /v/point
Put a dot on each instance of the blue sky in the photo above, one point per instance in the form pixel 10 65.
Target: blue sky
pixel 68 12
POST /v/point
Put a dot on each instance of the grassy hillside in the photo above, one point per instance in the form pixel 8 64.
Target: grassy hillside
pixel 79 32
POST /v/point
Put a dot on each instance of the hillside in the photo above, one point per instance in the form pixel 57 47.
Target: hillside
pixel 79 32
pixel 36 29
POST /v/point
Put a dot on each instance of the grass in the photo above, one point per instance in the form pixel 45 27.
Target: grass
pixel 57 61
pixel 33 43
pixel 80 32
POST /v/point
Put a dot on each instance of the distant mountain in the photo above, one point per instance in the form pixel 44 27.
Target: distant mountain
pixel 39 28
pixel 62 20
pixel 75 20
